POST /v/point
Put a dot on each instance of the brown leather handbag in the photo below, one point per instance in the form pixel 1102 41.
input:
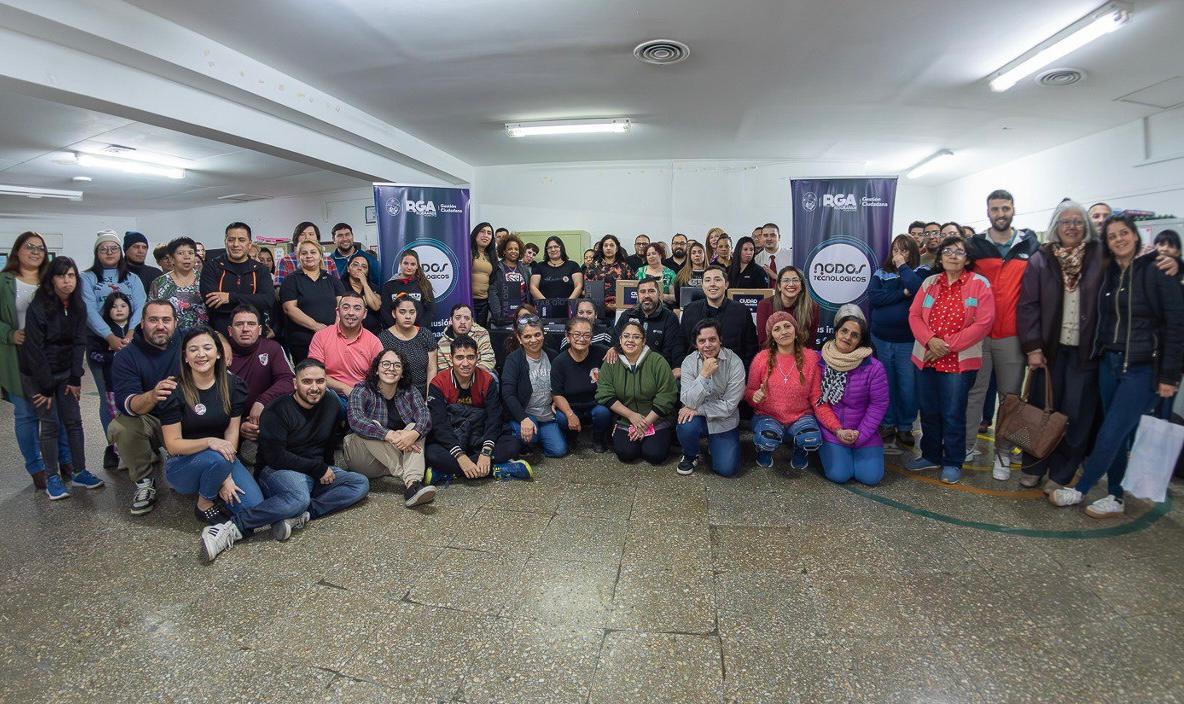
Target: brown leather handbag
pixel 1036 431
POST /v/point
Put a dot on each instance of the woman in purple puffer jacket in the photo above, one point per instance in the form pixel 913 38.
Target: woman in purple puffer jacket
pixel 855 386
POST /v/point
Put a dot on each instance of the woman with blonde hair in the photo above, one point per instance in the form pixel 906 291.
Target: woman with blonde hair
pixel 691 273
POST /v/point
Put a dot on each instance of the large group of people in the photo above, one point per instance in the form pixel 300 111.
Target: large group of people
pixel 275 392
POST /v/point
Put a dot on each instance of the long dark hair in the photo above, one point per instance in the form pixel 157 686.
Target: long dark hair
pixel 120 266
pixel 1125 220
pixel 404 381
pixel 345 277
pixel 490 250
pixel 910 246
pixel 425 286
pixel 45 293
pixel 221 376
pixel 14 263
pixel 598 257
pixel 734 270
pixel 562 249
pixel 108 304
pixel 301 228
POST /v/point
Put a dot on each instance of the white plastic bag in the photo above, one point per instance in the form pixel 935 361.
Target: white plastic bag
pixel 1153 458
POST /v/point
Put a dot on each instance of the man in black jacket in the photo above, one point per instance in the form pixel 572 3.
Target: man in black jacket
pixel 468 437
pixel 663 334
pixel 135 251
pixel 297 434
pixel 232 279
pixel 739 332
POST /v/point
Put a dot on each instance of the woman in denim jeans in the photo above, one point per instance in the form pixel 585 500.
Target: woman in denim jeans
pixel 890 294
pixel 1140 341
pixel 784 388
pixel 526 391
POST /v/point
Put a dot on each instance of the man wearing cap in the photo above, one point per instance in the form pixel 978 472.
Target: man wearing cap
pixel 135 250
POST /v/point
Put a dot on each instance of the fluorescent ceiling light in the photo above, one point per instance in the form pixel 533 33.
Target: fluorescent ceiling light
pixel 30 192
pixel 930 163
pixel 128 166
pixel 548 127
pixel 117 151
pixel 1098 23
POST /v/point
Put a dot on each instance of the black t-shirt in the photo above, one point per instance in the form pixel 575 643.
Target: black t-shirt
pixel 556 281
pixel 574 380
pixel 517 288
pixel 394 421
pixel 207 418
pixel 753 276
pixel 316 299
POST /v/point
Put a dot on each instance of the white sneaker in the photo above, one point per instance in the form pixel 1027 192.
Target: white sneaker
pixel 1106 507
pixel 215 539
pixel 972 454
pixel 1065 496
pixel 1002 469
pixel 282 530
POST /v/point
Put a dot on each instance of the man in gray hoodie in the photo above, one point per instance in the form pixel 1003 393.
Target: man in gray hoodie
pixel 712 386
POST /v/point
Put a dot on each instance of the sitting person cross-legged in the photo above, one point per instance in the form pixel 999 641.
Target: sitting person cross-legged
pixel 574 373
pixel 526 391
pixel 297 434
pixel 640 389
pixel 468 437
pixel 712 386
pixel 390 420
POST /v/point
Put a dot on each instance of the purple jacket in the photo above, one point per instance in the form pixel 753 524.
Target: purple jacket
pixel 864 404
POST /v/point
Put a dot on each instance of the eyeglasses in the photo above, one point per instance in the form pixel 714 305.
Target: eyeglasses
pixel 580 335
pixel 108 249
pixel 386 364
pixel 633 338
pixel 794 280
pixel 1071 223
pixel 953 252
pixel 525 320
pixel 931 233
pixel 34 247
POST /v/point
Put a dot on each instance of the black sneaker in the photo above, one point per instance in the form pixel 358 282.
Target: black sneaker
pixel 686 466
pixel 212 516
pixel 110 458
pixel 145 497
pixel 416 494
pixel 600 443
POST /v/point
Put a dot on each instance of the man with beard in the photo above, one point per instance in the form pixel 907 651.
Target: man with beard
pixel 772 256
pixel 461 323
pixel 263 367
pixel 233 278
pixel 346 349
pixel 931 242
pixel 736 329
pixel 663 334
pixel 135 250
pixel 678 253
pixel 343 237
pixel 637 260
pixel 143 375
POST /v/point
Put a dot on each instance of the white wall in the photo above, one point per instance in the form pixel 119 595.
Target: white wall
pixel 658 198
pixel 1108 166
pixel 77 232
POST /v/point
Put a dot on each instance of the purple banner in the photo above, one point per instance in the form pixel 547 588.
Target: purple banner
pixel 842 229
pixel 434 221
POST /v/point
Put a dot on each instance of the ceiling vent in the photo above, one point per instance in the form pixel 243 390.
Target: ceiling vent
pixel 1060 77
pixel 117 149
pixel 661 52
pixel 242 198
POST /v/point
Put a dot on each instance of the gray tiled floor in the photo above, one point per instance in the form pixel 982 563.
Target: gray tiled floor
pixel 598 583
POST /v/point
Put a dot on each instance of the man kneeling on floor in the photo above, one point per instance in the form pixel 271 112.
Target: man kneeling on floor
pixel 468 436
pixel 389 420
pixel 297 435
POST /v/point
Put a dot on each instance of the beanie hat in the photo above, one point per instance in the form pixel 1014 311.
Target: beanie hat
pixel 132 237
pixel 106 236
pixel 849 310
pixel 778 317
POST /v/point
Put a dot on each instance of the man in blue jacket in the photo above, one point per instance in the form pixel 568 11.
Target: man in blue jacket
pixel 143 375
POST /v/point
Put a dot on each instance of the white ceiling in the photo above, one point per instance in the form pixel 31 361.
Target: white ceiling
pixel 882 82
pixel 33 130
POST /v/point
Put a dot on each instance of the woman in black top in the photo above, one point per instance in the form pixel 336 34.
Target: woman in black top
pixel 356 278
pixel 744 272
pixel 410 282
pixel 415 342
pixel 509 284
pixel 309 297
pixel 574 373
pixel 200 423
pixel 51 370
pixel 556 276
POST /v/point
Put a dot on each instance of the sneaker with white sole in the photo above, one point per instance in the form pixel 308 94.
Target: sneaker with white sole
pixel 951 474
pixel 144 498
pixel 1050 486
pixel 686 466
pixel 1002 469
pixel 418 493
pixel 1065 496
pixel 282 530
pixel 1108 506
pixel 215 539
pixel 55 489
pixel 85 480
pixel 919 464
pixel 764 458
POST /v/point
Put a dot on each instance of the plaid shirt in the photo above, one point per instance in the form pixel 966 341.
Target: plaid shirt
pixel 289 265
pixel 368 417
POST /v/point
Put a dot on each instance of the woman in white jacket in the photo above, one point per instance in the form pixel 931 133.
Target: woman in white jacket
pixel 712 386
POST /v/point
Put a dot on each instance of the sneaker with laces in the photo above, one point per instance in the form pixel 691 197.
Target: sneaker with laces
pixel 919 464
pixel 764 458
pixel 215 539
pixel 1065 496
pixel 686 466
pixel 282 530
pixel 1029 481
pixel 799 459
pixel 1051 486
pixel 514 469
pixel 86 480
pixel 55 489
pixel 1001 470
pixel 145 497
pixel 1108 506
pixel 110 458
pixel 417 494
pixel 972 454
pixel 951 475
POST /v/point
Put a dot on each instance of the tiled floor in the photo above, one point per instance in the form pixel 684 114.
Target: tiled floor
pixel 600 583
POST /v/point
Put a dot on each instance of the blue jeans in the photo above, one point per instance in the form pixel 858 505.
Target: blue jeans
pixel 303 493
pixel 803 434
pixel 552 435
pixel 1126 396
pixel 943 415
pixel 841 463
pixel 602 420
pixel 105 410
pixel 28 436
pixel 724 447
pixel 203 473
pixel 897 358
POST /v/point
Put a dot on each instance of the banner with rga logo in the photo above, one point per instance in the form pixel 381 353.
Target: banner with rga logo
pixel 842 229
pixel 434 221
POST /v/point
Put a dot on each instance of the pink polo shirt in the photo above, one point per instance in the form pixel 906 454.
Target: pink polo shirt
pixel 346 361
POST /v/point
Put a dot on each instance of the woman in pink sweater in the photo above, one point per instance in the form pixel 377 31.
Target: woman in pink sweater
pixel 784 388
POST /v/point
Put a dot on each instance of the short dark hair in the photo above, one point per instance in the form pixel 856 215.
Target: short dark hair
pixel 500 229
pixel 341 226
pixel 404 381
pixel 301 227
pixel 716 267
pixel 772 225
pixel 1171 237
pixel 457 307
pixel 650 280
pixel 464 342
pixel 236 225
pixel 703 325
pixel 1103 203
pixel 246 308
pixel 179 242
pixel 531 246
pixel 936 224
pixel 1000 194
pixel 350 293
pixel 917 223
pixel 308 363
pixel 946 242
